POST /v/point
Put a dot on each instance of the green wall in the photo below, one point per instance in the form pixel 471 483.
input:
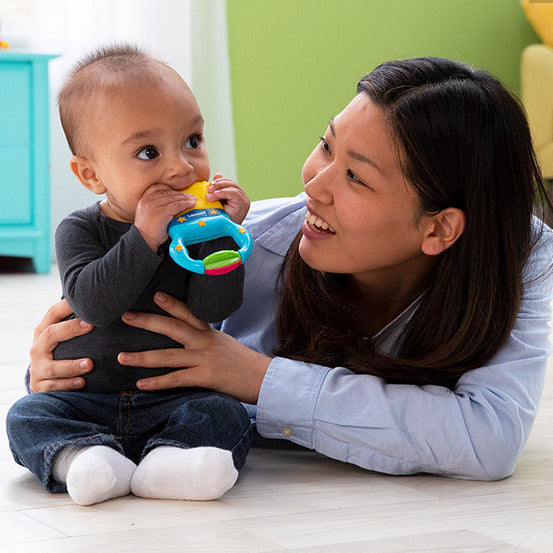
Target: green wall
pixel 295 64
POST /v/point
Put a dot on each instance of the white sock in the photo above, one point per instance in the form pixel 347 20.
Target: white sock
pixel 63 459
pixel 199 473
pixel 93 473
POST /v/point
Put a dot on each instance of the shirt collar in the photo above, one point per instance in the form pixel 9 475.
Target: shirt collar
pixel 390 338
pixel 274 227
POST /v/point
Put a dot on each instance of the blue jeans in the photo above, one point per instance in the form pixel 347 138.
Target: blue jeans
pixel 133 423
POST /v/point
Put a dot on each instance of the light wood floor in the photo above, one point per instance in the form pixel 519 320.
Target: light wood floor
pixel 285 500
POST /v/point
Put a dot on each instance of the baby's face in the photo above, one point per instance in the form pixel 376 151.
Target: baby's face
pixel 144 135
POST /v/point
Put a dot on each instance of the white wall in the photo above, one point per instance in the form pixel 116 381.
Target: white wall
pixel 173 30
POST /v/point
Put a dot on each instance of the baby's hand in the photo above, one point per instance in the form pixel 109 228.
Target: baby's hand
pixel 235 201
pixel 158 205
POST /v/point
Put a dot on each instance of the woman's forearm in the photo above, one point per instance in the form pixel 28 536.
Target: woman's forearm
pixel 476 432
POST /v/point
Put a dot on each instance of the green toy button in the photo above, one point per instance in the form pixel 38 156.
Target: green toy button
pixel 221 259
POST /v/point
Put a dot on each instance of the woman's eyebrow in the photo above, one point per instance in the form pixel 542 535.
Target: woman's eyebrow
pixel 365 159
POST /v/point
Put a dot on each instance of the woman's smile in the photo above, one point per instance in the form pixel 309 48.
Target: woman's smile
pixel 316 228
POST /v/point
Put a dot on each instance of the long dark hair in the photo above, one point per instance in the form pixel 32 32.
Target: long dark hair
pixel 466 144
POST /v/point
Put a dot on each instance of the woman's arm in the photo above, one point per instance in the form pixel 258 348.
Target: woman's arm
pixel 476 432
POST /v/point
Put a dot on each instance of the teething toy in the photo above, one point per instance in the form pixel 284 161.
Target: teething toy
pixel 207 221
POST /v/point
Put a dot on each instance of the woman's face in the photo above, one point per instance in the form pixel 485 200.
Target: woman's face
pixel 363 216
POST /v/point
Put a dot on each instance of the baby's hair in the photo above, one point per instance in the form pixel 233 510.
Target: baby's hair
pixel 97 71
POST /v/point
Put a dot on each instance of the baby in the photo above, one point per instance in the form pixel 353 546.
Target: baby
pixel 136 133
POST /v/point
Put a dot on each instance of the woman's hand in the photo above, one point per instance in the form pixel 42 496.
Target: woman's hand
pixel 212 359
pixel 47 375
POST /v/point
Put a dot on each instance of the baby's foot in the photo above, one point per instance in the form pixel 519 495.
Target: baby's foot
pixel 199 473
pixel 98 473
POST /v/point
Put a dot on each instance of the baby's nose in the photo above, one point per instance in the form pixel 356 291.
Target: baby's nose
pixel 178 167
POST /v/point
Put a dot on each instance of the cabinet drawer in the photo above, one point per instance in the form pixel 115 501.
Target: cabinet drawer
pixel 15 185
pixel 15 103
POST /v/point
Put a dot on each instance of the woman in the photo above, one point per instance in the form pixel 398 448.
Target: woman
pixel 405 328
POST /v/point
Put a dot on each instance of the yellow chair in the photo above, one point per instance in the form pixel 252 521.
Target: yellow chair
pixel 536 74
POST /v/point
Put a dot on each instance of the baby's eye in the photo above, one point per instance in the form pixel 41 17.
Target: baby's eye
pixel 194 142
pixel 147 153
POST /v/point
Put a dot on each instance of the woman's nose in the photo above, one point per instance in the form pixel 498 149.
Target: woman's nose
pixel 318 185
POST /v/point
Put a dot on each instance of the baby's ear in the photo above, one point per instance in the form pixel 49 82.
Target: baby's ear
pixel 84 170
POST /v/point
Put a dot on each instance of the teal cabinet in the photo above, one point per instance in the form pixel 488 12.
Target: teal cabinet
pixel 24 158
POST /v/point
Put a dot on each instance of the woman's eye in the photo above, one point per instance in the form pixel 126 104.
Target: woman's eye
pixel 324 145
pixel 148 153
pixel 194 142
pixel 353 177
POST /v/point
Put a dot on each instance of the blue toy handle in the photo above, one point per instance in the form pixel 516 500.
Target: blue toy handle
pixel 206 222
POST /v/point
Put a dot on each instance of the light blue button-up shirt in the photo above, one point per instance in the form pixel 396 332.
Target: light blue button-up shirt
pixel 475 432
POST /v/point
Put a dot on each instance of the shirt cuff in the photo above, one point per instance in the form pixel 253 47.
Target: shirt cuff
pixel 287 400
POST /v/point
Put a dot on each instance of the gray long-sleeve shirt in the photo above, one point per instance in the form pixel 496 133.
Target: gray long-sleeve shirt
pixel 107 268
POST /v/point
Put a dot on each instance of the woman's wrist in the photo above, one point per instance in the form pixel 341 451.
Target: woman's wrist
pixel 254 376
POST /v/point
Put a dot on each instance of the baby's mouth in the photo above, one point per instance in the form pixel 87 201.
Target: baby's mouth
pixel 318 224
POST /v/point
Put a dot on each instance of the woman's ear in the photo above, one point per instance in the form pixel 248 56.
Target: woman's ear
pixel 84 170
pixel 443 230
